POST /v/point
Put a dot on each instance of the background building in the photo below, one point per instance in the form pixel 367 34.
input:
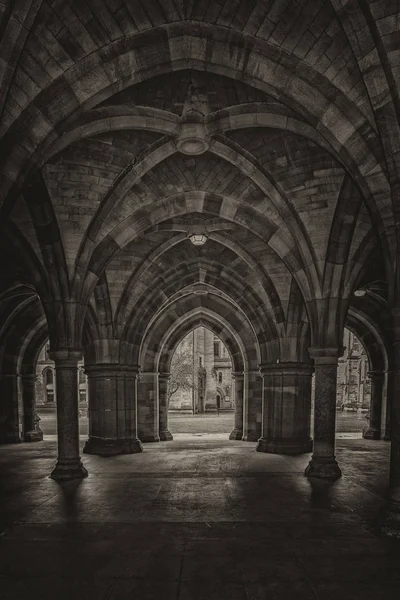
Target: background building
pixel 210 372
pixel 353 384
pixel 45 387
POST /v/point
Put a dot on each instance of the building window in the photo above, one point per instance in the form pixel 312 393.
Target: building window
pixel 217 349
pixel 81 376
pixel 220 377
pixel 200 361
pixel 49 377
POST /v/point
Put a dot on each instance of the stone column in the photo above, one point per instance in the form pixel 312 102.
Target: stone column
pixel 237 433
pixel 323 462
pixel 148 413
pixel 389 395
pixel 30 433
pixel 165 434
pixel 391 513
pixel 9 410
pixel 112 410
pixel 69 465
pixel 375 412
pixel 252 406
pixel 286 408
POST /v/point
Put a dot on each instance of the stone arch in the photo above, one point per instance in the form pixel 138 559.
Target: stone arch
pixel 229 119
pixel 20 325
pixel 208 298
pixel 159 344
pixel 150 270
pixel 372 338
pixel 377 348
pixel 261 64
pixel 294 90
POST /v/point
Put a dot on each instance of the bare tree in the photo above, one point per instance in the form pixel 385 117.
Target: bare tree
pixel 182 373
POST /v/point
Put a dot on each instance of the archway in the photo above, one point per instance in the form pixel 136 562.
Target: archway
pixel 201 387
pixel 353 392
pixel 157 350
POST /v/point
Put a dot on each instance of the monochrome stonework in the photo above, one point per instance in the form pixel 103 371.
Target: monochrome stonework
pixel 220 180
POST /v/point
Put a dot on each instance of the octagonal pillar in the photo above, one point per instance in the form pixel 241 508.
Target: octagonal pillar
pixel 69 465
pixel 252 406
pixel 375 412
pixel 286 408
pixel 165 434
pixel 31 433
pixel 9 410
pixel 148 410
pixel 323 463
pixel 237 433
pixel 112 410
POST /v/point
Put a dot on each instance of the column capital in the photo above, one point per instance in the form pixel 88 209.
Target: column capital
pixel 287 368
pixel 375 374
pixel 164 375
pixel 68 356
pixel 28 377
pixel 238 374
pixel 147 375
pixel 326 355
pixel 111 370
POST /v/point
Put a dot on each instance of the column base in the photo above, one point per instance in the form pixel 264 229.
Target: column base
pixel 112 447
pixel 390 520
pixel 323 468
pixel 66 470
pixel 372 434
pixel 166 436
pixel 251 437
pixel 237 434
pixel 33 436
pixel 149 438
pixel 284 446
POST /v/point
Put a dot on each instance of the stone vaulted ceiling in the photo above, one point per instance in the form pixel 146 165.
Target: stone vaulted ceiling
pixel 273 125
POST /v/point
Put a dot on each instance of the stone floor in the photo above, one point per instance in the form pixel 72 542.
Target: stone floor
pixel 195 519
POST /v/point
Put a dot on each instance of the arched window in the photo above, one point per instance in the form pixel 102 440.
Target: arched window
pixel 82 378
pixel 217 349
pixel 49 377
pixel 220 377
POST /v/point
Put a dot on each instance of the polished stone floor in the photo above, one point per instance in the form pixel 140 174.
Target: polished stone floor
pixel 195 519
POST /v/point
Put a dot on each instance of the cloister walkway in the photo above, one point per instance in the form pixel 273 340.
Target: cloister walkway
pixel 197 518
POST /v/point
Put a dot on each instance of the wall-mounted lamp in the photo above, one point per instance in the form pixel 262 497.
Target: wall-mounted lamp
pixel 375 286
pixel 359 293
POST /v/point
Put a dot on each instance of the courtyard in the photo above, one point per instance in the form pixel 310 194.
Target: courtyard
pixel 347 422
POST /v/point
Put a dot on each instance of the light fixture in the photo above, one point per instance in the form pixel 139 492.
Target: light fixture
pixel 192 136
pixel 373 287
pixel 197 233
pixel 198 239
